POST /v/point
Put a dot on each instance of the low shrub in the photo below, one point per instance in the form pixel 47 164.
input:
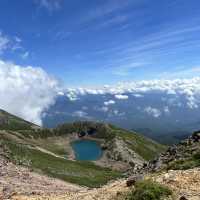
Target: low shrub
pixel 148 190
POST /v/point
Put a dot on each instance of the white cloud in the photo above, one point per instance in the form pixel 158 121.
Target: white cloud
pixel 8 43
pixel 138 95
pixel 60 93
pixel 110 102
pixel 120 96
pixel 189 88
pixel 71 96
pixel 50 5
pixel 4 42
pixel 153 111
pixel 166 110
pixel 17 39
pixel 80 113
pixel 26 91
pixel 118 113
pixel 25 55
pixel 101 109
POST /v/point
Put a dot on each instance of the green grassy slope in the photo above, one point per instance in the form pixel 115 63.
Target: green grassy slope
pixel 145 147
pixel 12 122
pixel 82 173
pixel 24 138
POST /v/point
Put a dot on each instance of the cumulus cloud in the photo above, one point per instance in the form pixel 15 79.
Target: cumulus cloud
pixel 153 111
pixel 189 88
pixel 166 109
pixel 71 94
pixel 120 96
pixel 110 102
pixel 26 91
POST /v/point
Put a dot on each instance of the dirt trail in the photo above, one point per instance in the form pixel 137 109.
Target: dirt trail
pixel 48 152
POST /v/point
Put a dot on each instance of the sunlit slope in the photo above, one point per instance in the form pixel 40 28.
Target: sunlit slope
pixel 45 150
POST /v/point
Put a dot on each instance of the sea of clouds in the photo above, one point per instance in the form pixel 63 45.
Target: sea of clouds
pixel 29 91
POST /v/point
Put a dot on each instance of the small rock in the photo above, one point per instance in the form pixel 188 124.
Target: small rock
pixel 183 198
pixel 133 179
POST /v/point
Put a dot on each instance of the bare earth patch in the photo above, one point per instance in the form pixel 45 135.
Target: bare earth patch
pixel 19 180
pixel 107 192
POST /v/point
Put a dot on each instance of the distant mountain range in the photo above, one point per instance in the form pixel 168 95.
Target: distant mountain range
pixel 164 116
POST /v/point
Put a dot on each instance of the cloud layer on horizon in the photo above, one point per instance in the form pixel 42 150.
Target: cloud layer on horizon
pixel 29 91
pixel 189 88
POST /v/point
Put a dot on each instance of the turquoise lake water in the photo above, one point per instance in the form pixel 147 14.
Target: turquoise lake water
pixel 87 150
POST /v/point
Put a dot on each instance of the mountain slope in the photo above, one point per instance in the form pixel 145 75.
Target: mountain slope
pixel 12 122
pixel 143 146
pixel 184 184
pixel 42 151
pixel 185 155
pixel 49 151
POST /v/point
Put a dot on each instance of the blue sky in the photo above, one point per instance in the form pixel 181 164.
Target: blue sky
pixel 96 42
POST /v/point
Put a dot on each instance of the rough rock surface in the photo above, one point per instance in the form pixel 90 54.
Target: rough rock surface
pixel 182 151
pixel 184 183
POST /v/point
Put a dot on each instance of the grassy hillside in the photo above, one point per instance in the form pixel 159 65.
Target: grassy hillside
pixel 12 122
pixel 46 150
pixel 82 173
pixel 145 147
pixel 25 152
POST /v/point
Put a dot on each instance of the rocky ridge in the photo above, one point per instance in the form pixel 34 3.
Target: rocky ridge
pixel 184 155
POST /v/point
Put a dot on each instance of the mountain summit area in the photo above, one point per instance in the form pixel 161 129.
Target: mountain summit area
pixel 40 163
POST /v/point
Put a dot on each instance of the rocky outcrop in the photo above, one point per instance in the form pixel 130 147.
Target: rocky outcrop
pixel 119 156
pixel 185 184
pixel 119 151
pixel 184 152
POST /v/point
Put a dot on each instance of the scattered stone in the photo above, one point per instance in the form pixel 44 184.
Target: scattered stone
pixel 183 198
pixel 196 136
pixel 133 179
pixel 185 184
